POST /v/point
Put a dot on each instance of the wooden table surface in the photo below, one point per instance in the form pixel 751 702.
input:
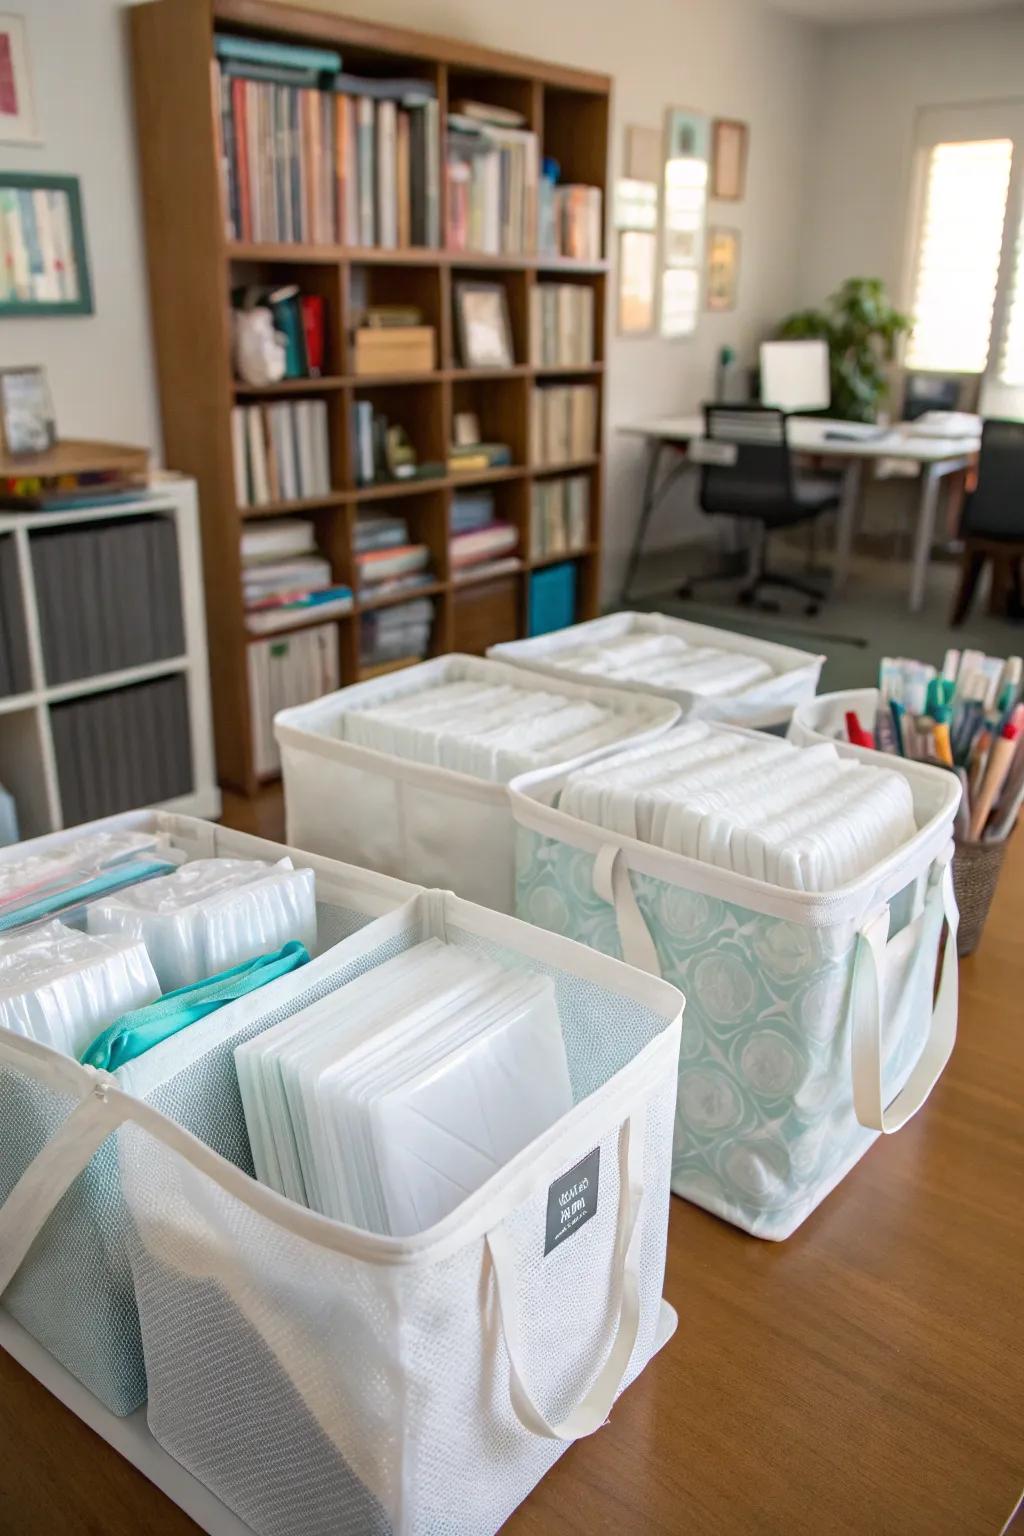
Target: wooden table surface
pixel 864 1378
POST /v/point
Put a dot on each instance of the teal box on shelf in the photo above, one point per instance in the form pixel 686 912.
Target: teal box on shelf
pixel 552 598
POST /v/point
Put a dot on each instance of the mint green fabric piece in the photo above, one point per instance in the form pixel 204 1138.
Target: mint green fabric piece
pixel 136 1032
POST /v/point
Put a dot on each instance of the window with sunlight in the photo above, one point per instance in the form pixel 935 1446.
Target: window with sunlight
pixel 1011 357
pixel 958 256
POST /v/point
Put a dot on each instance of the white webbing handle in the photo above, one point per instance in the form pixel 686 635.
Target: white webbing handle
pixel 593 1409
pixel 613 885
pixel 50 1173
pixel 869 1011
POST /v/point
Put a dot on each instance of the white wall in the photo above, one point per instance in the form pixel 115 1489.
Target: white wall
pixel 734 58
pixel 874 80
pixel 100 366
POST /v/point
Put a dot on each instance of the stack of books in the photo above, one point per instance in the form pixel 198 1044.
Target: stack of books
pixel 280 452
pixel 299 318
pixel 561 325
pixel 481 545
pixel 560 516
pixel 393 635
pixel 386 560
pixel 283 671
pixel 474 458
pixel 491 165
pixel 569 220
pixel 285 581
pixel 563 423
pixel 388 162
pixel 277 112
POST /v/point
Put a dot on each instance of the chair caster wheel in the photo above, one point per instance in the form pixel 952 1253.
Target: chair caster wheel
pixel 812 610
pixel 746 598
pixel 685 592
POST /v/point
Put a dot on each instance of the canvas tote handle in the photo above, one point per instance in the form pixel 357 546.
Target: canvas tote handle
pixel 613 885
pixel 869 1011
pixel 593 1409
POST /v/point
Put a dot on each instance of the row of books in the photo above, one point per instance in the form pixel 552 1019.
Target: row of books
pixel 280 451
pixel 15 668
pixel 315 155
pixel 492 173
pixel 569 221
pixel 285 580
pixel 123 748
pixel 283 671
pixel 560 516
pixel 561 325
pixel 298 317
pixel 108 596
pixel 563 423
pixel 399 633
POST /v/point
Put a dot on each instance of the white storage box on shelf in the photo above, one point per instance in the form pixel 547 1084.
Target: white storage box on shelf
pixel 73 1292
pixel 764 704
pixel 810 1025
pixel 425 823
pixel 323 1379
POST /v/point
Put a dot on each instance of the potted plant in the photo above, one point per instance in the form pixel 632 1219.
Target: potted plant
pixel 862 329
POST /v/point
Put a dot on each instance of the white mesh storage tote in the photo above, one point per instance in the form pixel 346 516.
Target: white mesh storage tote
pixel 327 1381
pixel 419 819
pixel 713 674
pixel 810 1025
pixel 73 1291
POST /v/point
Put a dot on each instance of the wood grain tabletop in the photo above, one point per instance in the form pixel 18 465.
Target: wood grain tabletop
pixel 863 1378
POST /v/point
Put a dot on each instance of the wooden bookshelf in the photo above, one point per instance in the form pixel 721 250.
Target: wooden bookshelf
pixel 193 265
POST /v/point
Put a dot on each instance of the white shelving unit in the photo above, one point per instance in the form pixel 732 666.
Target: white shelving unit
pixel 28 766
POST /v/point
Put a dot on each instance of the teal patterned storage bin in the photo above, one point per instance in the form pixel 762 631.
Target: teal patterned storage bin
pixel 809 1025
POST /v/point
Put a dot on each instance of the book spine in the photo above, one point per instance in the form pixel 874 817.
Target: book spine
pixel 240 137
pixel 344 228
pixel 367 175
pixel 387 221
pixel 403 187
pixel 351 173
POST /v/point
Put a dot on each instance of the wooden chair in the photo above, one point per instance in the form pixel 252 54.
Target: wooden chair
pixel 992 527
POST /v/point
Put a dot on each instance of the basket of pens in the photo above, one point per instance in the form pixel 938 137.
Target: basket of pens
pixel 968 718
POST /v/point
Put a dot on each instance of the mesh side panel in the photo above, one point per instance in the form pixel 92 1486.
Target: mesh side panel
pixel 602 1030
pixel 336 923
pixel 316 1394
pixel 74 1291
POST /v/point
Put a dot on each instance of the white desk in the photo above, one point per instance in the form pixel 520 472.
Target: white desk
pixel 937 456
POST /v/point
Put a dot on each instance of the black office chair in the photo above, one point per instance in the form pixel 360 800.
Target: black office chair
pixel 992 524
pixel 759 483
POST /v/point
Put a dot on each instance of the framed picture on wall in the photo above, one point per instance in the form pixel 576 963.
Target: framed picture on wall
pixel 18 124
pixel 723 268
pixel 638 266
pixel 45 270
pixel 729 159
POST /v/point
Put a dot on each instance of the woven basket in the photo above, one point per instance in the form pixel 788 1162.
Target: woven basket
pixel 976 869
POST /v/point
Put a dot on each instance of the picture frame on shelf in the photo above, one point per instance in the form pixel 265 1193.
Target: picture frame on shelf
pixel 730 140
pixel 18 121
pixel 28 425
pixel 43 214
pixel 723 268
pixel 483 326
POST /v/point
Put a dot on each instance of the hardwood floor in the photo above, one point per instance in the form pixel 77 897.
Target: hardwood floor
pixel 862 1379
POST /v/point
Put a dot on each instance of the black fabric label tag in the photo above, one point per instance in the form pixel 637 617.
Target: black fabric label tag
pixel 572 1200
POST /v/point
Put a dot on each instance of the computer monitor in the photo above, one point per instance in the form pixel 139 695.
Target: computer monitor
pixel 794 375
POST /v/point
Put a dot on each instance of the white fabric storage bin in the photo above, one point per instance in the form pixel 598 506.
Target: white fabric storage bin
pixel 73 1292
pixel 824 718
pixel 325 1380
pixel 809 1026
pixel 431 825
pixel 765 705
